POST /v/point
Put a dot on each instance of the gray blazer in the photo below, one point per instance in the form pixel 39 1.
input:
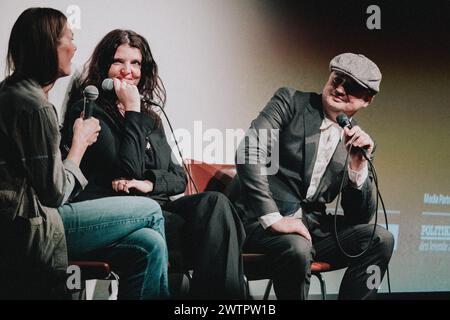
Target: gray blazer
pixel 34 181
pixel 298 116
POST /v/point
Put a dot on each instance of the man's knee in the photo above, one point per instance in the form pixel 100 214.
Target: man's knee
pixel 385 242
pixel 298 255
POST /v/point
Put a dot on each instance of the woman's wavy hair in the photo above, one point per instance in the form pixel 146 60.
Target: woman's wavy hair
pixel 33 46
pixel 96 70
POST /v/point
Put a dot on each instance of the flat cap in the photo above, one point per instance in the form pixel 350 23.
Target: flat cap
pixel 362 69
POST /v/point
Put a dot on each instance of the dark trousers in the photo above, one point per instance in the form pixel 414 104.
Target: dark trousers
pixel 204 232
pixel 291 255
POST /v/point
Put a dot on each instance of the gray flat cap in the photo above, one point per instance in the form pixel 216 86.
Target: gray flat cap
pixel 360 68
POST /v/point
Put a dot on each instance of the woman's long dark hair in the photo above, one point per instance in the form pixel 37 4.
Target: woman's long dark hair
pixel 33 44
pixel 97 67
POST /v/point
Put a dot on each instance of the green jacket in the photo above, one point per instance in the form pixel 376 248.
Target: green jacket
pixel 34 182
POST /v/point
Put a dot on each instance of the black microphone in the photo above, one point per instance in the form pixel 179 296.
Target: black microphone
pixel 344 122
pixel 108 85
pixel 90 94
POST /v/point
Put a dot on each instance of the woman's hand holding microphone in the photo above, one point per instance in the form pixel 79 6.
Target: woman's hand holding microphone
pixel 128 95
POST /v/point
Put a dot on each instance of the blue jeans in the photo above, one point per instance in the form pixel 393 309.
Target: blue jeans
pixel 128 233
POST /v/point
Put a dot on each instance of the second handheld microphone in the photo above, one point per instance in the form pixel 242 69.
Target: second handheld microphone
pixel 90 94
pixel 108 85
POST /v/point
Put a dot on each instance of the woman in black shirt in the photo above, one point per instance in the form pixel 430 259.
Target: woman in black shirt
pixel 132 156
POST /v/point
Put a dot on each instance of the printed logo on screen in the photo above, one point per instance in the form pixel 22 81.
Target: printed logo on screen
pixel 436 199
pixel 434 238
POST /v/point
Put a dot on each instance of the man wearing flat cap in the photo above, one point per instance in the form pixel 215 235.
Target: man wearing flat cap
pixel 284 213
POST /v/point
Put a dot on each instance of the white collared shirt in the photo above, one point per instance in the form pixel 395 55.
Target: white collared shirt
pixel 330 135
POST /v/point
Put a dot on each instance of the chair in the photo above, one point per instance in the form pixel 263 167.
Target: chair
pixel 255 269
pixel 217 177
pixel 317 268
pixel 99 270
pixel 93 270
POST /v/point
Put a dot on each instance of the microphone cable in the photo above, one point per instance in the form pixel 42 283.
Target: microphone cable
pixel 176 142
pixel 375 178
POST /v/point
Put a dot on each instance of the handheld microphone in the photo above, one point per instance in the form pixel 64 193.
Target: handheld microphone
pixel 344 122
pixel 108 85
pixel 90 93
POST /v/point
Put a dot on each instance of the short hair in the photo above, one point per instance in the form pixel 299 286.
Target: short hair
pixel 32 48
